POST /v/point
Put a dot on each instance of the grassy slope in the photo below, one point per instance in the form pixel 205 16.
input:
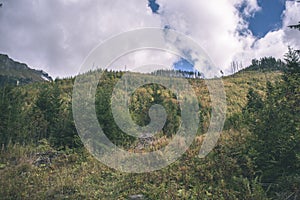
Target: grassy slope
pixel 237 87
pixel 77 175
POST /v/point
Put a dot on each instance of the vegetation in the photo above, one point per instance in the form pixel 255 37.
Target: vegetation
pixel 15 73
pixel 257 156
pixel 266 64
pixel 274 124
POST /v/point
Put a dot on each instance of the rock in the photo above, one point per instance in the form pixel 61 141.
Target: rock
pixel 44 158
pixel 146 139
pixel 136 197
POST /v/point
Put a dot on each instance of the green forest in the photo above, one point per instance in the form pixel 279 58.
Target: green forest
pixel 256 157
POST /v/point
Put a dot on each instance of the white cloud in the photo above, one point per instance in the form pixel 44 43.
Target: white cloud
pixel 291 17
pixel 57 35
pixel 270 45
pixel 156 59
pixel 215 25
pixel 275 43
pixel 251 7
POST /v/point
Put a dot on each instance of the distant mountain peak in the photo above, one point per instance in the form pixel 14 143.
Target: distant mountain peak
pixel 14 72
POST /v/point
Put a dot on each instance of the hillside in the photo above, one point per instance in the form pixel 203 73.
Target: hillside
pixel 42 156
pixel 12 72
pixel 256 156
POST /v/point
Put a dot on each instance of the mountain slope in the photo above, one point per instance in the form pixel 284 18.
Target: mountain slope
pixel 65 171
pixel 12 72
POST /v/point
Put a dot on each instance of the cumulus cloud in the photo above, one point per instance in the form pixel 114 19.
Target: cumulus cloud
pixel 155 59
pixel 274 43
pixel 57 35
pixel 291 16
pixel 217 26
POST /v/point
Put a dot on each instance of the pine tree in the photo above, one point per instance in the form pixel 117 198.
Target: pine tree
pixel 274 123
pixel 49 104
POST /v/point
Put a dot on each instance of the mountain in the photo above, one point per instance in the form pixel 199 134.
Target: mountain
pixel 41 143
pixel 13 72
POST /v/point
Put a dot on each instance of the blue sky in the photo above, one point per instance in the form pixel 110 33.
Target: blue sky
pixel 153 5
pixel 184 65
pixel 268 18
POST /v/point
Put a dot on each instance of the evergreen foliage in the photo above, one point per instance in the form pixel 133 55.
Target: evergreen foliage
pixel 274 123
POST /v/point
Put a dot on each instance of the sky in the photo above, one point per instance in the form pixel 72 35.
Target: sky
pixel 268 19
pixel 56 36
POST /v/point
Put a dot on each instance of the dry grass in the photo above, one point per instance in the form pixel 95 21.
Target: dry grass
pixel 77 175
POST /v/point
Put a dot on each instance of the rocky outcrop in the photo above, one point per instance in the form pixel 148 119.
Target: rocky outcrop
pixel 15 73
pixel 44 159
pixel 136 197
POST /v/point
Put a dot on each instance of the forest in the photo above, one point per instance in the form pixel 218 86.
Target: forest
pixel 256 157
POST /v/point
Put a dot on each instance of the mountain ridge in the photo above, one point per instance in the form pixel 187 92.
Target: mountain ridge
pixel 14 72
